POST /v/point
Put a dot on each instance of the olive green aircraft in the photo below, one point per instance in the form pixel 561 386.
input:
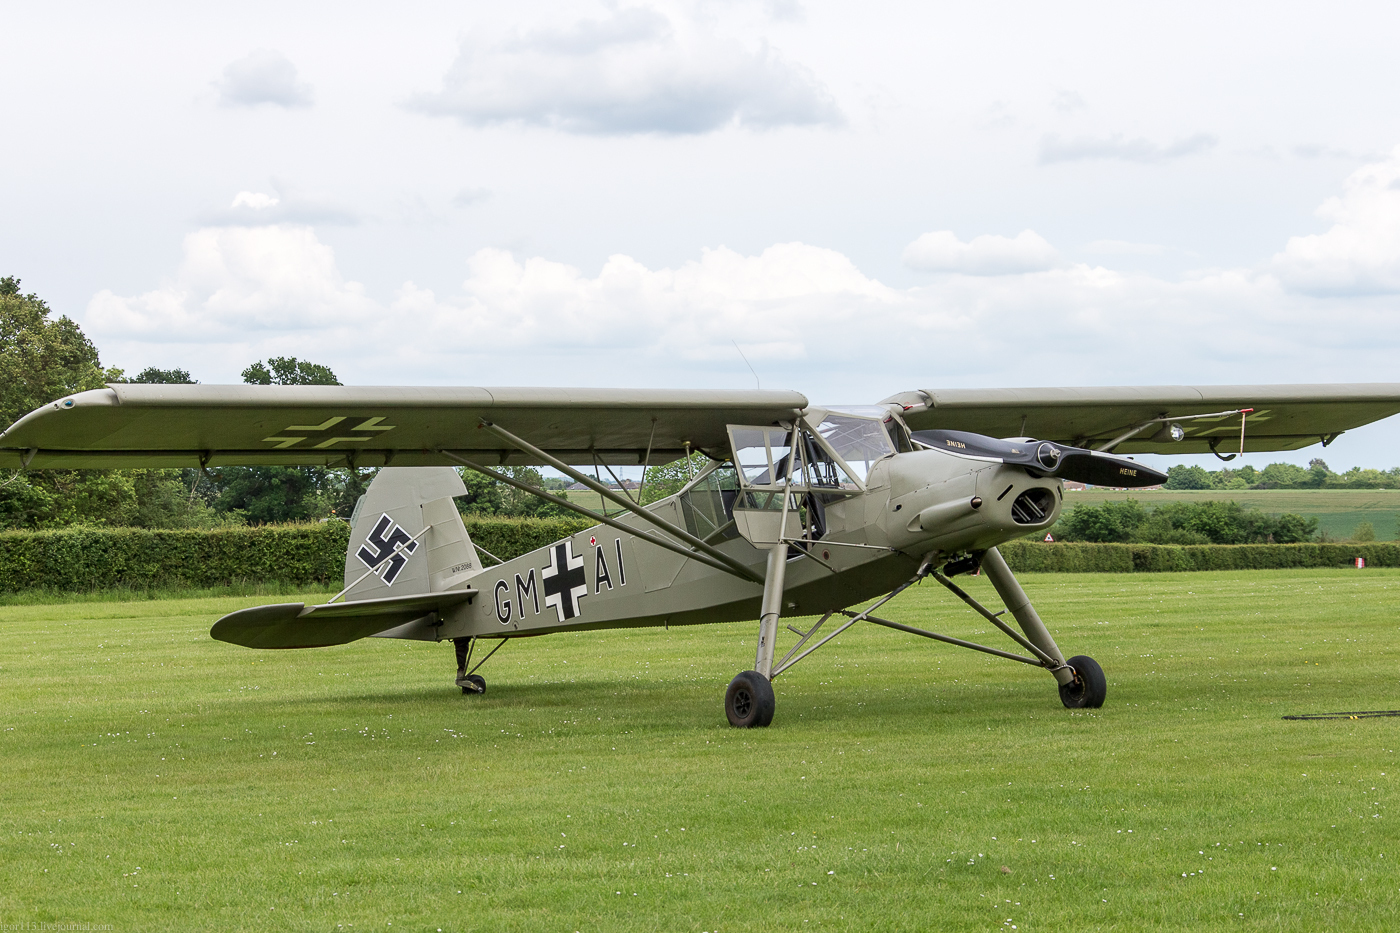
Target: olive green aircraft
pixel 800 511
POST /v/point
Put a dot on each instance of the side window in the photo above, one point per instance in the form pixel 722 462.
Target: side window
pixel 708 505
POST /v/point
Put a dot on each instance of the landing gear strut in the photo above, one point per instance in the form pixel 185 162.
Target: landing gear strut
pixel 471 682
pixel 749 702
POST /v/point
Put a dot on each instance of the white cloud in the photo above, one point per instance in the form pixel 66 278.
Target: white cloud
pixel 637 70
pixel 1054 149
pixel 942 251
pixel 1360 253
pixel 254 200
pixel 234 281
pixel 806 316
pixel 692 312
pixel 263 76
pixel 257 209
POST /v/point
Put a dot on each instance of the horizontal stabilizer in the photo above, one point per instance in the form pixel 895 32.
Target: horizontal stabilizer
pixel 297 625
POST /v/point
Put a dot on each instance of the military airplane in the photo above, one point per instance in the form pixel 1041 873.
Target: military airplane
pixel 800 510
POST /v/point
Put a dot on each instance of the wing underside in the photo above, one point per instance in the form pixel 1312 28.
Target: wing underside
pixel 195 425
pixel 1284 417
pixel 192 426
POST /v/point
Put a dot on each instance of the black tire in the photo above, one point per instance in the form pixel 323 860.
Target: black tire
pixel 749 701
pixel 478 681
pixel 1089 687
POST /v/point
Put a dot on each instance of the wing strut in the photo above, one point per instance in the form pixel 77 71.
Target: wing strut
pixel 575 507
pixel 1169 419
pixel 739 569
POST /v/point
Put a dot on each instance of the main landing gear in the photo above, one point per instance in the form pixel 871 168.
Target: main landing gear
pixel 749 701
pixel 1088 689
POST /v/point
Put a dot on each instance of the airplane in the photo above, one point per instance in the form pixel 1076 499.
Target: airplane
pixel 799 511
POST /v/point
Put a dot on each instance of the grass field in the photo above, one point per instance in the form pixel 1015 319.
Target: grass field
pixel 157 780
pixel 1338 511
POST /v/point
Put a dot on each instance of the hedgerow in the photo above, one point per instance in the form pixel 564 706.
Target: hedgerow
pixel 1063 557
pixel 76 559
pixel 81 559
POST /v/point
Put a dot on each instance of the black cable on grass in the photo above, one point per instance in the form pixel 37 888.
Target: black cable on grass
pixel 1364 714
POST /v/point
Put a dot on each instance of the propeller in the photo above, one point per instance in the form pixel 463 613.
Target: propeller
pixel 1046 458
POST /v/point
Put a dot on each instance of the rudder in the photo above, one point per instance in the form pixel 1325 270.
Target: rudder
pixel 389 554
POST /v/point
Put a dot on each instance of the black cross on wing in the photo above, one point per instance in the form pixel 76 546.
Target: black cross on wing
pixel 340 429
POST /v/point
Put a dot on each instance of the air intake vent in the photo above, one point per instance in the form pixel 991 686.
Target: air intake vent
pixel 1033 506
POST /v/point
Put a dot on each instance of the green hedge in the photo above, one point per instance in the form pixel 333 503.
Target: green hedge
pixel 511 537
pixel 1067 557
pixel 79 559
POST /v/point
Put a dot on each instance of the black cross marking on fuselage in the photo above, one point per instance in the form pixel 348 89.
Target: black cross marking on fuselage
pixel 565 582
pixel 338 429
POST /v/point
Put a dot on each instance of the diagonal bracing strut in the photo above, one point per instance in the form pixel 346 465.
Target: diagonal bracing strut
pixel 589 513
pixel 681 534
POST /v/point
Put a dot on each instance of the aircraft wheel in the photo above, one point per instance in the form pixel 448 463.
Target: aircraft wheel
pixel 475 684
pixel 749 701
pixel 1089 687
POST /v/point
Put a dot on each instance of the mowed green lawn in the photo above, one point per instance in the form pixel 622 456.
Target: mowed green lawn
pixel 1338 511
pixel 157 780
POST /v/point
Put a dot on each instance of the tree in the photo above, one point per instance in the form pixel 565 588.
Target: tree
pixel 43 359
pixel 267 495
pixel 670 478
pixel 170 377
pixel 289 371
pixel 1110 522
pixel 40 359
pixel 1187 477
pixel 1182 523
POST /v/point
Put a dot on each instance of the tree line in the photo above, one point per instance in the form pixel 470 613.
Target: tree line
pixel 1316 475
pixel 1129 522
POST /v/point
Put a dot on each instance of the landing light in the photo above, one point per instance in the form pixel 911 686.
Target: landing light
pixel 1170 432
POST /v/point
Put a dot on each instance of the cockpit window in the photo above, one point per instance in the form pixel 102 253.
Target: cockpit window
pixel 858 441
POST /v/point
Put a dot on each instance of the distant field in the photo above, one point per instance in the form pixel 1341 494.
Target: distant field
pixel 1338 511
pixel 158 780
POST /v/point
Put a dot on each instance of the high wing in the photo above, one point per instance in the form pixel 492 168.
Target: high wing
pixel 135 426
pixel 1285 417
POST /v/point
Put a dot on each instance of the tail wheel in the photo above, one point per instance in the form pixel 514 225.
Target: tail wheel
pixel 1089 687
pixel 475 683
pixel 749 701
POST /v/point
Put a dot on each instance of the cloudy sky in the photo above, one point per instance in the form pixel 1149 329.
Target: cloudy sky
pixel 851 199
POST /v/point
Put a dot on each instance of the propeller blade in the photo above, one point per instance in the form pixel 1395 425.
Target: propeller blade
pixel 1044 458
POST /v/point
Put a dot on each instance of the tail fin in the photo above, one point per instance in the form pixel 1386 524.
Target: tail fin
pixel 407 537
